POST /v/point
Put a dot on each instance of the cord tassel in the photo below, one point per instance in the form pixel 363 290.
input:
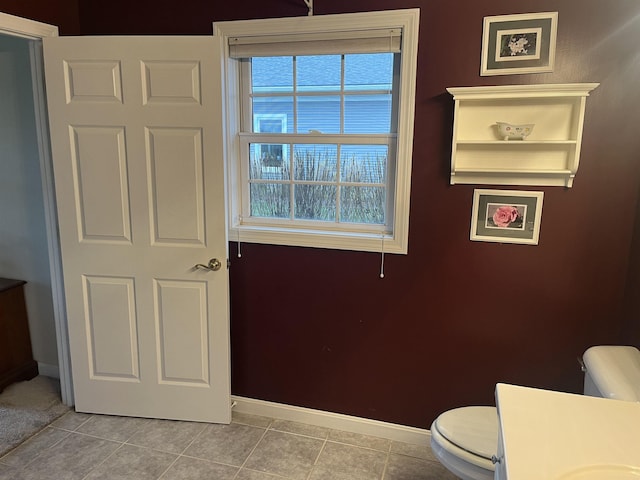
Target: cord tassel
pixel 309 4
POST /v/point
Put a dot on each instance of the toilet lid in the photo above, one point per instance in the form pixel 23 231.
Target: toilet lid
pixel 474 429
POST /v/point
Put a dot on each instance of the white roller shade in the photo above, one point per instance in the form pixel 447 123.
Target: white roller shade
pixel 360 41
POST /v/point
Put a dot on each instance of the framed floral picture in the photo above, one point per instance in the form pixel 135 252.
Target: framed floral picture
pixel 506 216
pixel 515 44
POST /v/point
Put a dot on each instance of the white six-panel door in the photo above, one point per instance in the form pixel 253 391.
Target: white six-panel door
pixel 136 134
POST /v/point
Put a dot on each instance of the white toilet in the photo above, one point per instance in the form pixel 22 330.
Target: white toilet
pixel 465 439
pixel 612 371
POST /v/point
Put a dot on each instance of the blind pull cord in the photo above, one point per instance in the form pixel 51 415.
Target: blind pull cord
pixel 239 224
pixel 382 258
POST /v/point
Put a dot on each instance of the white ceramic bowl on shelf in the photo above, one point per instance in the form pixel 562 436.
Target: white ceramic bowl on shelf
pixel 508 131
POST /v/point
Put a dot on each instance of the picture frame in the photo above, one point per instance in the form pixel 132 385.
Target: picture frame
pixel 518 44
pixel 506 216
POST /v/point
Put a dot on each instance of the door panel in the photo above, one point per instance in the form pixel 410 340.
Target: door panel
pixel 181 334
pixel 112 327
pixel 99 163
pixel 177 188
pixel 136 133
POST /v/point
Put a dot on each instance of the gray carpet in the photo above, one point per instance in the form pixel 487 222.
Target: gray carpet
pixel 26 408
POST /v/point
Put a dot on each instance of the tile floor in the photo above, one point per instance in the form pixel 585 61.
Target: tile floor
pixel 80 446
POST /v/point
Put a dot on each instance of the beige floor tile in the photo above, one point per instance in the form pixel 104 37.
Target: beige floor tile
pixel 131 462
pixel 402 467
pixel 187 468
pixel 110 427
pixel 348 460
pixel 326 473
pixel 300 428
pixel 27 451
pixel 412 450
pixel 360 440
pixel 167 435
pixel 247 474
pixel 285 454
pixel 250 448
pixel 228 444
pixel 70 459
pixel 71 420
pixel 253 420
pixel 7 472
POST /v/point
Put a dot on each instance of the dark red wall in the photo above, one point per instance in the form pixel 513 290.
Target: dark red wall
pixel 318 328
pixel 61 13
pixel 631 309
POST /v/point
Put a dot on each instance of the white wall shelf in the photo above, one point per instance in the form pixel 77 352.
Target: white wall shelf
pixel 548 156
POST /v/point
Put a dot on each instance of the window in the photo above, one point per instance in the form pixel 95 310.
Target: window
pixel 320 119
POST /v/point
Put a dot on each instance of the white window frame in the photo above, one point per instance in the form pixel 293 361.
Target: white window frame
pixel 315 234
pixel 281 117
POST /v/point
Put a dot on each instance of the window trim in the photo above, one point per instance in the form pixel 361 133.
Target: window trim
pixel 282 117
pixel 400 179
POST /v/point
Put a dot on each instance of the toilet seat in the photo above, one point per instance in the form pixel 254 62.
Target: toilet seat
pixel 473 429
pixel 464 440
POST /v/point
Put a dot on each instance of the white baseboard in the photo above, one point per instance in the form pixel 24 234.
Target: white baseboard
pixel 391 431
pixel 48 370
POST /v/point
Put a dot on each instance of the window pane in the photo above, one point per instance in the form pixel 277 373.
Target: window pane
pixel 321 113
pixel 273 114
pixel 363 163
pixel 315 202
pixel 315 163
pixel 269 200
pixel 367 114
pixel 268 161
pixel 318 73
pixel 362 205
pixel 268 124
pixel 271 74
pixel 368 71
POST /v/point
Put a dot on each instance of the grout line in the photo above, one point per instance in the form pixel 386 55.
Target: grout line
pixel 386 463
pixel 298 434
pixel 270 475
pixel 317 457
pixel 53 424
pixel 217 462
pixel 36 454
pixel 92 435
pixel 182 454
pixel 250 453
pixel 329 439
pixel 169 467
pixel 104 460
pixel 196 436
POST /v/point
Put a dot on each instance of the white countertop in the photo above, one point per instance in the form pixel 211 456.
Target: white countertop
pixel 548 434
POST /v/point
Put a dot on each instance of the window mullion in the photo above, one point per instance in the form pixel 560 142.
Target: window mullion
pixel 342 94
pixel 334 138
pixel 246 97
pixel 292 198
pixel 338 162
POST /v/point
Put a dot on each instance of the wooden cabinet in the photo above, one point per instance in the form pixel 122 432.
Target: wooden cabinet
pixel 548 156
pixel 16 358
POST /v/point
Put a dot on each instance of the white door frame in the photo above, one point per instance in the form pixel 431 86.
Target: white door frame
pixel 35 32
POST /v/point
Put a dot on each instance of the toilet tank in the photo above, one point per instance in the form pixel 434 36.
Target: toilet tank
pixel 612 371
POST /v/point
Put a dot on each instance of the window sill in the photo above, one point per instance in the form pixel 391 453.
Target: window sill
pixel 363 242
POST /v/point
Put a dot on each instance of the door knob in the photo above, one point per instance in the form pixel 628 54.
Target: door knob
pixel 214 265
